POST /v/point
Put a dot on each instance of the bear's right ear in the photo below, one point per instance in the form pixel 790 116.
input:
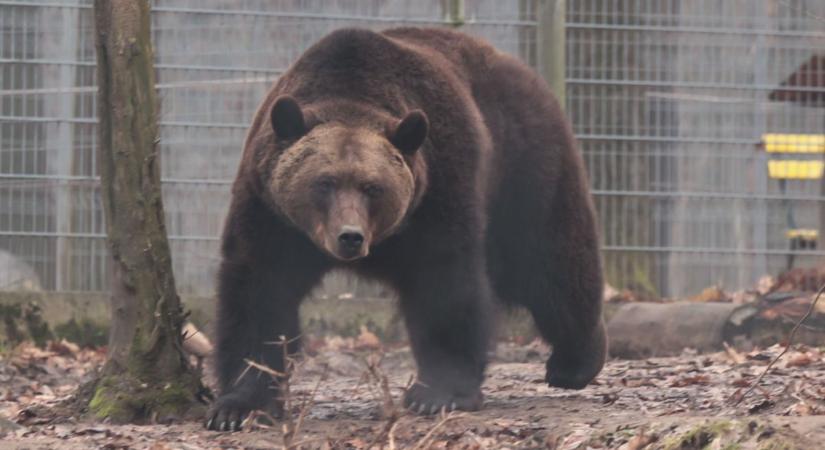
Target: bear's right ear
pixel 409 133
pixel 287 118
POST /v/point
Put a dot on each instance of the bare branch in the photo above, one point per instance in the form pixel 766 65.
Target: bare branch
pixel 785 350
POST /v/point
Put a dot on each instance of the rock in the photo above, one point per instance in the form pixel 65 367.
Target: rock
pixel 16 275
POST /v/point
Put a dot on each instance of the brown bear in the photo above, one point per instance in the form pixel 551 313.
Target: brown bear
pixel 427 160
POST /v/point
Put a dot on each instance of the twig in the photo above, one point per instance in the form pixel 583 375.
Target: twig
pixel 785 350
pixel 307 403
pixel 283 340
pixel 252 420
pixel 263 368
pixel 391 435
pixel 427 437
pixel 379 382
pixel 288 428
pixel 244 372
pixel 299 444
pixel 291 428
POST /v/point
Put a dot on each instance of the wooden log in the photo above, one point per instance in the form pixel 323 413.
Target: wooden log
pixel 642 330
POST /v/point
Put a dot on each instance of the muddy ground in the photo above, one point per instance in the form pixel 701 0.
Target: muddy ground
pixel 684 402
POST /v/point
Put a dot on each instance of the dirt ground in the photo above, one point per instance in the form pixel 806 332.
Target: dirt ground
pixel 684 402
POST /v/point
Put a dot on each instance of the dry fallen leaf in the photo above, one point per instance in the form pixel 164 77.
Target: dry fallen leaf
pixel 741 382
pixel 339 343
pixel 691 380
pixel 765 284
pixel 799 360
pixel 800 409
pixel 711 294
pixel 575 439
pixel 356 443
pixel 367 340
pixel 63 347
pixel 640 441
pixel 734 355
pixel 760 405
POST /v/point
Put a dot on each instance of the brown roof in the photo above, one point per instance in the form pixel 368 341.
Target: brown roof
pixel 805 85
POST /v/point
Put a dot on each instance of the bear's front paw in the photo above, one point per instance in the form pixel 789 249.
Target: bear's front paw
pixel 427 400
pixel 229 411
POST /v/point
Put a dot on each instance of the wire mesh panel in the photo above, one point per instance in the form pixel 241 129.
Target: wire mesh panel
pixel 670 101
pixel 215 60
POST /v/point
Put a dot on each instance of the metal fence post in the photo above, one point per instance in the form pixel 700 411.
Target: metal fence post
pixel 551 45
pixel 454 12
pixel 61 142
pixel 820 204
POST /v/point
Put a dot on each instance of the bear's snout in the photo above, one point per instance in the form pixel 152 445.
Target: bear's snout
pixel 350 241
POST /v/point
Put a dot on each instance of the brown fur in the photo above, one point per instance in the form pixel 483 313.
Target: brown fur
pixel 493 203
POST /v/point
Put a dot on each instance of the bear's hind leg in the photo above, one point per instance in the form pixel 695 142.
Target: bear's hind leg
pixel 549 263
pixel 579 348
pixel 565 300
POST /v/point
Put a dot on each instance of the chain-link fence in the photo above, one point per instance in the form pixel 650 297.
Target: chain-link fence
pixel 215 59
pixel 670 101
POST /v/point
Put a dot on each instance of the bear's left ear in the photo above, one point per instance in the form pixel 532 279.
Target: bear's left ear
pixel 408 134
pixel 287 118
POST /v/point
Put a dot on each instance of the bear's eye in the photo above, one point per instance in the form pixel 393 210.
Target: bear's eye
pixel 325 185
pixel 373 190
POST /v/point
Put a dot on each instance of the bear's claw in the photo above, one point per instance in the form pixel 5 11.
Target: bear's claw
pixel 223 420
pixel 229 411
pixel 425 400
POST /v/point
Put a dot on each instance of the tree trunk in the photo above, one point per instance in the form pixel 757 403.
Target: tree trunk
pixel 146 376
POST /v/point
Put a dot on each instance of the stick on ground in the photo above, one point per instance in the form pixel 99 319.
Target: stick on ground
pixel 758 380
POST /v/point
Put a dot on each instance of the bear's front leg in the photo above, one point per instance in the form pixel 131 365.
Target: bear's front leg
pixel 446 306
pixel 256 306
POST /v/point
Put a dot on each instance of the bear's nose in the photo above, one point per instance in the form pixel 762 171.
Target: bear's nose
pixel 350 240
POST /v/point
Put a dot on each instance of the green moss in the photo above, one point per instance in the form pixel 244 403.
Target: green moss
pixel 699 437
pixel 110 400
pixel 22 322
pixel 124 399
pixel 37 327
pixel 9 317
pixel 173 399
pixel 84 333
pixel 777 444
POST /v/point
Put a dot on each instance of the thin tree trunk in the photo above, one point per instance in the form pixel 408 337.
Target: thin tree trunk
pixel 146 375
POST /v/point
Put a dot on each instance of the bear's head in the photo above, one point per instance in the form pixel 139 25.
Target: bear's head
pixel 346 185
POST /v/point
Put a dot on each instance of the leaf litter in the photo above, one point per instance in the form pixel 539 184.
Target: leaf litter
pixel 350 388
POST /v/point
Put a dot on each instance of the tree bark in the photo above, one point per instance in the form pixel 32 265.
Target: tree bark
pixel 146 376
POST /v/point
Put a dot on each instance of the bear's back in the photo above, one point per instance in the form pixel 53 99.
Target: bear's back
pixel 465 54
pixel 386 66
